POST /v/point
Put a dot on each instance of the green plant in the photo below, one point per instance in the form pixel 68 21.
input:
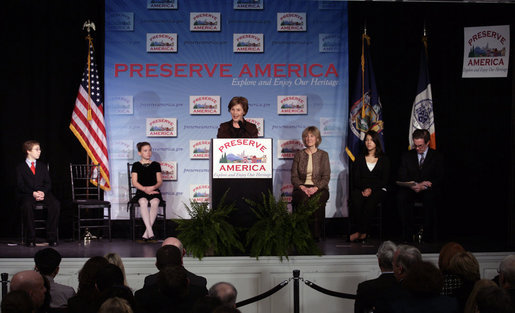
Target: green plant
pixel 208 229
pixel 278 232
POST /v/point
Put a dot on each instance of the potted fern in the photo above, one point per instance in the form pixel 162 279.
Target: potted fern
pixel 208 231
pixel 279 232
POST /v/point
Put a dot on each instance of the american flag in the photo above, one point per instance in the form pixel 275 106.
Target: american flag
pixel 88 118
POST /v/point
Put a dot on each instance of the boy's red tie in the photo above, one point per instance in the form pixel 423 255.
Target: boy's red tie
pixel 33 168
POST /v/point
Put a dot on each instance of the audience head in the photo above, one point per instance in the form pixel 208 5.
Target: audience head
pixel 172 241
pixel 449 250
pixel 376 139
pixel 107 276
pixel 507 272
pixel 17 301
pixel 312 130
pixel 466 266
pixel 206 304
pixel 115 305
pixel 385 255
pixel 493 299
pixel 226 292
pixel 405 256
pixel 241 101
pixel 115 259
pixel 168 255
pixel 47 261
pixel 173 281
pixel 33 284
pixel 88 273
pixel 226 309
pixel 117 291
pixel 471 304
pixel 423 279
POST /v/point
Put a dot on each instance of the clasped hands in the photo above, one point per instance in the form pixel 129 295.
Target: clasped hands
pixel 422 186
pixel 149 190
pixel 38 195
pixel 309 191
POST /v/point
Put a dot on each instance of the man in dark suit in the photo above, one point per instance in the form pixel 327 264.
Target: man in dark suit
pixel 370 291
pixel 424 167
pixel 33 182
pixel 169 257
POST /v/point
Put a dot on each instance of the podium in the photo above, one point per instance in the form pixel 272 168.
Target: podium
pixel 244 167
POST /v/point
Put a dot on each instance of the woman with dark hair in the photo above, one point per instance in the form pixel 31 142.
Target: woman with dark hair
pixel 310 174
pixel 238 127
pixel 86 299
pixel 370 173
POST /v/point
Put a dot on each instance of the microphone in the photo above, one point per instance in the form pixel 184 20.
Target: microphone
pixel 240 123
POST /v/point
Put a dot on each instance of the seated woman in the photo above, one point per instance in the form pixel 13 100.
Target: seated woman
pixel 370 173
pixel 146 177
pixel 238 127
pixel 310 174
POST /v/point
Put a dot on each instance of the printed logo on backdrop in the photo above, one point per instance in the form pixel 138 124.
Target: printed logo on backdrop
pixel 204 104
pixel 487 51
pixel 168 170
pixel 242 158
pixel 199 193
pixel 121 149
pixel 161 127
pixel 260 124
pixel 329 42
pixel 120 21
pixel 292 104
pixel 199 149
pixel 248 43
pixel 291 22
pixel 330 126
pixel 248 4
pixel 161 42
pixel 120 105
pixel 162 4
pixel 286 192
pixel 288 148
pixel 205 21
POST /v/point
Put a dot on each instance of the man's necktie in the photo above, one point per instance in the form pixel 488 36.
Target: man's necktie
pixel 421 162
pixel 33 168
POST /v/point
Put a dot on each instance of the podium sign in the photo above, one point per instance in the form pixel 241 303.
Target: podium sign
pixel 246 158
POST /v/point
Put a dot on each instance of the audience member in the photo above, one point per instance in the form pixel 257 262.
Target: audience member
pixel 86 299
pixel 466 267
pixel 371 291
pixel 423 284
pixel 33 284
pixel 115 259
pixel 471 304
pixel 493 299
pixel 403 259
pixel 451 282
pixel 17 301
pixel 507 276
pixel 226 309
pixel 206 304
pixel 195 280
pixel 118 291
pixel 47 263
pixel 108 276
pixel 115 305
pixel 226 292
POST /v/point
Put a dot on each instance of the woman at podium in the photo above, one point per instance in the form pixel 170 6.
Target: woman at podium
pixel 310 174
pixel 238 127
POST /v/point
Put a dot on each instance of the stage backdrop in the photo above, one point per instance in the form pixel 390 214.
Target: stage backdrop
pixel 171 68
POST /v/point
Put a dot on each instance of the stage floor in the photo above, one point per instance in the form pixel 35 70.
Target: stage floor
pixel 10 248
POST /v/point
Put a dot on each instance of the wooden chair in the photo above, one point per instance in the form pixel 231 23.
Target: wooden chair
pixel 91 211
pixel 132 205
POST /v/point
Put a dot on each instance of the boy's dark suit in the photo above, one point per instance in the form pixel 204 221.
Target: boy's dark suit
pixel 431 170
pixel 27 183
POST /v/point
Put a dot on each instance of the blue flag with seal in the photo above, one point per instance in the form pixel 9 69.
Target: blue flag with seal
pixel 366 111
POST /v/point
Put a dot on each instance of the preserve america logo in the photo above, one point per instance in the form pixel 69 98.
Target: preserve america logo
pixel 248 4
pixel 161 42
pixel 242 158
pixel 329 42
pixel 252 43
pixel 291 22
pixel 199 149
pixel 199 192
pixel 168 170
pixel 120 21
pixel 162 4
pixel 260 124
pixel 204 104
pixel 161 127
pixel 292 105
pixel 205 21
pixel 121 150
pixel 120 105
pixel 288 147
